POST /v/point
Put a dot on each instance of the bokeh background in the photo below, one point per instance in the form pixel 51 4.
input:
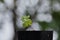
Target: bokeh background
pixel 45 16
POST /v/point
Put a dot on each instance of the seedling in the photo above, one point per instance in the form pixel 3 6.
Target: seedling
pixel 26 21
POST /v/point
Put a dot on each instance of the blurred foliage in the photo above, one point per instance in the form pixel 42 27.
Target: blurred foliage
pixel 55 24
pixel 56 16
pixel 2 0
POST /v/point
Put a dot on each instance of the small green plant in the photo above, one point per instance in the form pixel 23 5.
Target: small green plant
pixel 26 21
